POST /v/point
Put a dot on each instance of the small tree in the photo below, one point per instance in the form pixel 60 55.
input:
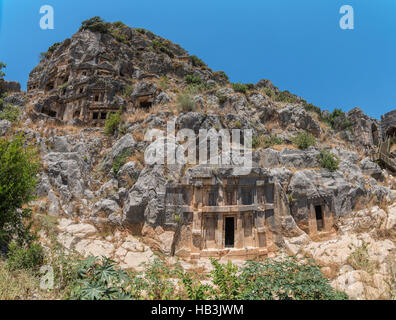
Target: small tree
pixel 304 140
pixel 112 123
pixel 2 66
pixel 328 160
pixel 18 169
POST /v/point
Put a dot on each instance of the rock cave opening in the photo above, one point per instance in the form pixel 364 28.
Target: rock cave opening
pixel 319 217
pixel 229 232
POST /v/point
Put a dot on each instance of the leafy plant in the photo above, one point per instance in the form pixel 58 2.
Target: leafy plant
pixel 286 96
pixel 112 123
pixel 304 140
pixel 286 280
pixel 25 257
pixel 191 79
pixel 95 24
pixel 100 280
pixel 186 103
pixel 2 66
pixel 10 113
pixel 157 277
pixel 262 141
pixel 328 160
pixel 227 280
pixel 19 165
pixel 222 98
pixel 359 259
pixel 162 47
pixel 119 162
pixel 197 62
pixel 239 87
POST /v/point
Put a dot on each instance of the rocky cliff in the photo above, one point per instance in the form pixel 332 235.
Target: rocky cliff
pixel 95 181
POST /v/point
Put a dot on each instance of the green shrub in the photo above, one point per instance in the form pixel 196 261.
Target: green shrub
pixel 112 123
pixel 220 76
pixel 262 142
pixel 10 113
pixel 269 93
pixel 117 34
pixel 304 140
pixel 162 47
pixel 222 98
pixel 119 24
pixel 185 103
pixel 95 24
pixel 309 107
pixel 286 96
pixel 100 280
pixel 192 79
pixel 285 280
pixel 328 160
pixel 119 162
pixel 18 164
pixel 2 66
pixel 197 62
pixel 239 87
pixel 27 257
pixel 359 259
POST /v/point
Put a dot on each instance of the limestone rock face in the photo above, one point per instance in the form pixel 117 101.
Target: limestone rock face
pixel 307 184
pixel 366 131
pixel 123 146
pixel 142 204
pixel 299 118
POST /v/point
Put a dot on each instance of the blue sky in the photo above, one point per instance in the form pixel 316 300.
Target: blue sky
pixel 296 44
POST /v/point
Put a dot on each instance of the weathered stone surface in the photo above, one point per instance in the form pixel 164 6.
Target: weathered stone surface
pixel 123 146
pixel 128 175
pixel 299 118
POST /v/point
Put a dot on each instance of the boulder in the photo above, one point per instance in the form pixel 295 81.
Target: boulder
pixel 298 118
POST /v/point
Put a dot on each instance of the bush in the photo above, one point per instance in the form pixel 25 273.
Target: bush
pixel 222 98
pixel 304 140
pixel 309 107
pixel 265 142
pixel 2 66
pixel 119 162
pixel 162 47
pixel 238 87
pixel 220 76
pixel 185 103
pixel 27 257
pixel 100 280
pixel 286 96
pixel 95 24
pixel 328 160
pixel 197 62
pixel 194 80
pixel 268 280
pixel 19 165
pixel 10 113
pixel 286 280
pixel 112 123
